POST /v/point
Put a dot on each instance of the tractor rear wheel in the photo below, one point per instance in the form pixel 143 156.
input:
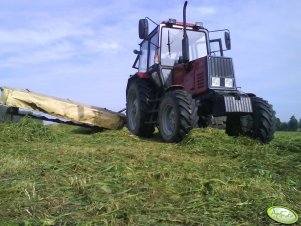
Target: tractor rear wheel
pixel 260 125
pixel 177 115
pixel 139 92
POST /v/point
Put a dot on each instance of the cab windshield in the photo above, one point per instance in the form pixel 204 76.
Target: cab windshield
pixel 171 45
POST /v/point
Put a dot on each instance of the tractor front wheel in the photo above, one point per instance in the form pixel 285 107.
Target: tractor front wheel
pixel 177 115
pixel 264 120
pixel 260 125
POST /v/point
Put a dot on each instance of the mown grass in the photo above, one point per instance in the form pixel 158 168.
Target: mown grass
pixel 64 175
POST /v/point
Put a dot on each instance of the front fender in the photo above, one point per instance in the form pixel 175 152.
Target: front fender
pixel 174 87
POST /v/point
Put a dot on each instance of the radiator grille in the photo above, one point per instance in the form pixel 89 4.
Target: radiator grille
pixel 220 67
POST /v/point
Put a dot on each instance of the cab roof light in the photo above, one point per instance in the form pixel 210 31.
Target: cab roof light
pixel 172 21
pixel 198 25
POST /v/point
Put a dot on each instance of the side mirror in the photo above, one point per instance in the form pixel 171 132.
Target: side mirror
pixel 227 40
pixel 143 28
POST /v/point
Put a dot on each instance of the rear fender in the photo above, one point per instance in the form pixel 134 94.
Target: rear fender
pixel 174 87
pixel 251 95
pixel 143 75
pixel 138 75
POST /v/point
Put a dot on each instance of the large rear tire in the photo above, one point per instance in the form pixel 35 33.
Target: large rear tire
pixel 138 107
pixel 260 125
pixel 177 115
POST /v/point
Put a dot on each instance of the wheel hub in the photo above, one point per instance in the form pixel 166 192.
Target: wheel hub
pixel 133 111
pixel 169 120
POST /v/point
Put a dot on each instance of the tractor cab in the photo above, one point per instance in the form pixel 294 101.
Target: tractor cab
pixel 163 47
pixel 161 51
pixel 165 44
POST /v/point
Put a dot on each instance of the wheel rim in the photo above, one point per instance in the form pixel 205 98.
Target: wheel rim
pixel 168 120
pixel 132 110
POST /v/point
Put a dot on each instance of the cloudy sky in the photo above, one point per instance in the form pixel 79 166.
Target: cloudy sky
pixel 82 49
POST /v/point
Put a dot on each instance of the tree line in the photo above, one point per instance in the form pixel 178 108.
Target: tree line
pixel 292 125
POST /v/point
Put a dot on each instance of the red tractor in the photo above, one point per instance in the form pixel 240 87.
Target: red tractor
pixel 181 84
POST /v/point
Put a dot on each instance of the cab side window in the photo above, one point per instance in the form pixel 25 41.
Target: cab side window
pixel 153 49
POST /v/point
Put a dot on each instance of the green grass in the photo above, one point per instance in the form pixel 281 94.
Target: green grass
pixel 64 175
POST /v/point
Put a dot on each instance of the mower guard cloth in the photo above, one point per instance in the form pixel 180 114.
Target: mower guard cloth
pixel 66 109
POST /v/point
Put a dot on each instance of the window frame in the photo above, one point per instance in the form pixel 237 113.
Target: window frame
pixel 205 31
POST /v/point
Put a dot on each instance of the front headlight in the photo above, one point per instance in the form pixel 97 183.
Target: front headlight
pixel 228 82
pixel 215 81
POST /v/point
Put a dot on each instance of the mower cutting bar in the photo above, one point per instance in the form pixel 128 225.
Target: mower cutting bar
pixel 66 109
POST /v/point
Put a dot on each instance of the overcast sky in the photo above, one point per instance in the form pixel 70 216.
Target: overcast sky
pixel 82 49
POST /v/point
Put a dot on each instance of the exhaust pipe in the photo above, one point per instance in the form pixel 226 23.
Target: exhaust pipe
pixel 185 41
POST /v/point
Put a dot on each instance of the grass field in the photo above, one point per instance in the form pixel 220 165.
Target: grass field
pixel 66 175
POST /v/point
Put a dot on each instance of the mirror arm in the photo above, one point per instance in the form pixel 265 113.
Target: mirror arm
pixel 219 41
pixel 137 52
pixel 134 64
